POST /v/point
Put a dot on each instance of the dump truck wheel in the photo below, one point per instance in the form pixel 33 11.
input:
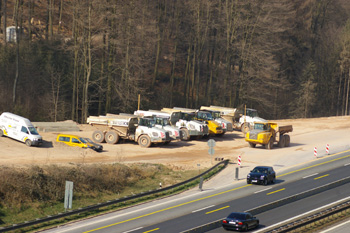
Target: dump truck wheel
pixel 184 134
pixel 111 137
pixel 28 142
pixel 282 141
pixel 144 141
pixel 252 145
pixel 98 136
pixel 245 128
pixel 269 145
pixel 287 140
pixel 1 133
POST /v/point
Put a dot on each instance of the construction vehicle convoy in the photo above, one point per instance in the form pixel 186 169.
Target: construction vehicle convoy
pixel 112 127
pixel 205 117
pixel 161 121
pixel 185 121
pixel 267 133
pixel 227 126
pixel 242 118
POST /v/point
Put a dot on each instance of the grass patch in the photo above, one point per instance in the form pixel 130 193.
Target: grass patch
pixel 142 178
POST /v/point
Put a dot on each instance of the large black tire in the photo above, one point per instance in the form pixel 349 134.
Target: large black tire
pixel 144 141
pixel 287 140
pixel 252 145
pixel 185 135
pixel 245 128
pixel 98 136
pixel 111 137
pixel 1 133
pixel 269 145
pixel 28 142
pixel 282 141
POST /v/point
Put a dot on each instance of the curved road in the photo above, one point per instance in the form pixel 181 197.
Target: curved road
pixel 191 209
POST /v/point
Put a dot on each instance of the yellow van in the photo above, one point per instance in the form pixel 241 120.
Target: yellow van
pixel 74 140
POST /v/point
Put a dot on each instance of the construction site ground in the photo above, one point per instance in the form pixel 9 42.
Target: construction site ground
pixel 307 134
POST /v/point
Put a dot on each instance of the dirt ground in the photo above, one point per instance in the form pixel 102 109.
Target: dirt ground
pixel 307 134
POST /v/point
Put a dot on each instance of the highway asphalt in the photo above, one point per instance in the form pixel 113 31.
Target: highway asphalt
pixel 194 208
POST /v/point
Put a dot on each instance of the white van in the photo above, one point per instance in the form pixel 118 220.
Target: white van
pixel 19 128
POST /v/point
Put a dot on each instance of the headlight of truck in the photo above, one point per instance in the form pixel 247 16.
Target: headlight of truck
pixel 154 134
pixel 191 126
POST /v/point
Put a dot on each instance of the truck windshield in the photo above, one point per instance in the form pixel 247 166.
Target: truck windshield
pixel 187 116
pixel 162 121
pixel 145 122
pixel 33 131
pixel 216 115
pixel 260 126
pixel 252 113
pixel 205 116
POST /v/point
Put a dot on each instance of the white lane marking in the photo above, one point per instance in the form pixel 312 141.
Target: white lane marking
pixel 133 230
pixel 203 208
pixel 346 164
pixel 263 190
pixel 332 228
pixel 299 216
pixel 310 175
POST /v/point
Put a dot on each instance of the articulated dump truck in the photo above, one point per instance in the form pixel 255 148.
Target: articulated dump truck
pixel 267 133
pixel 214 127
pixel 242 119
pixel 226 125
pixel 112 127
pixel 161 120
pixel 185 121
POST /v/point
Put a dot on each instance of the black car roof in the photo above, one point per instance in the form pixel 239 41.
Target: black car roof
pixel 263 167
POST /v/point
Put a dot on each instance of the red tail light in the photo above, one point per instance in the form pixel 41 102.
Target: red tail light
pixel 224 221
pixel 240 223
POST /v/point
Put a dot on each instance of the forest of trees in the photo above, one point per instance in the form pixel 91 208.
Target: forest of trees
pixel 75 58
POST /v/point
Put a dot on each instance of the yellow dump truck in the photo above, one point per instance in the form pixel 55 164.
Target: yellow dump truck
pixel 267 133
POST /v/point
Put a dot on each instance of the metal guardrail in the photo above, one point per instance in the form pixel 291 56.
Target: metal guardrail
pixel 307 222
pixel 272 205
pixel 108 203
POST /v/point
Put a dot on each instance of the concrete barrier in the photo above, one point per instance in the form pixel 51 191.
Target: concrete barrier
pixel 60 126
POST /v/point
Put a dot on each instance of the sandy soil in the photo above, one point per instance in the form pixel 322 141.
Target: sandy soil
pixel 307 134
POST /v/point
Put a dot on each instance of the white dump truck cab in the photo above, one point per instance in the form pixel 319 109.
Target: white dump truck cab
pixel 146 133
pixel 162 121
pixel 186 122
pixel 246 121
pixel 19 128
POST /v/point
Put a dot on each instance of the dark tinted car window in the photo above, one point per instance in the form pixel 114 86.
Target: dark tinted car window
pixel 237 216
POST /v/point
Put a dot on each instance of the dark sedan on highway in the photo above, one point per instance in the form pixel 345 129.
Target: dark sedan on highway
pixel 240 222
pixel 261 175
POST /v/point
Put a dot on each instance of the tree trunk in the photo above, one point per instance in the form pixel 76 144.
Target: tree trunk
pixel 5 20
pixel 17 52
